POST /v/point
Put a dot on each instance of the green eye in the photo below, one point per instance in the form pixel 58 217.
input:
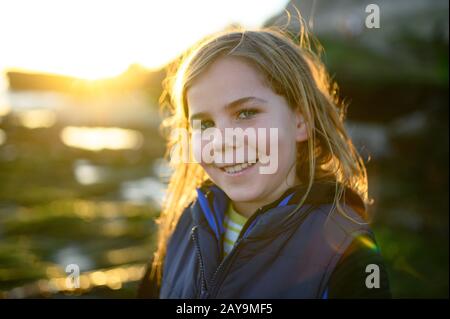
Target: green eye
pixel 206 124
pixel 245 114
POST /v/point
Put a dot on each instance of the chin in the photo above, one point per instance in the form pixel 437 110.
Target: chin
pixel 236 194
pixel 245 188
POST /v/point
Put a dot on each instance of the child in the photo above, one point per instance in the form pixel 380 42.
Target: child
pixel 229 229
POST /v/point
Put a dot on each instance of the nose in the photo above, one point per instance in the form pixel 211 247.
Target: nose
pixel 229 146
pixel 223 141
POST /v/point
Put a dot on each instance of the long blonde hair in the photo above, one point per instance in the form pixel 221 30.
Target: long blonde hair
pixel 292 69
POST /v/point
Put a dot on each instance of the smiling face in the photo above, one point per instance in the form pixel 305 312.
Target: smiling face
pixel 231 94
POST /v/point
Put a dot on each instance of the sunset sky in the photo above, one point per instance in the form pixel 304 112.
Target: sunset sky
pixel 95 39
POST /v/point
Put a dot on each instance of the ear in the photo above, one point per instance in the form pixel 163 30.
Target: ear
pixel 301 132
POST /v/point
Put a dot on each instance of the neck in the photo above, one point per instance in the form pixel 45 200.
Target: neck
pixel 247 209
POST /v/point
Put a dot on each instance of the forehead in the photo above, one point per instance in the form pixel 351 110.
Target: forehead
pixel 226 80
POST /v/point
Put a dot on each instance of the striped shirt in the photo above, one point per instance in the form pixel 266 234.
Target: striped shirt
pixel 233 226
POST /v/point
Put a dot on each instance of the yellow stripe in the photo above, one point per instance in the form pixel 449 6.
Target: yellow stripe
pixel 232 217
pixel 228 226
pixel 235 216
pixel 229 241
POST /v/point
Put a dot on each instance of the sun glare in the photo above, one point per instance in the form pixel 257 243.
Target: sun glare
pixel 99 138
pixel 98 39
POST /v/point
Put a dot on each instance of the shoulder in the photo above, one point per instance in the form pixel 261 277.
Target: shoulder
pixel 360 272
pixel 339 225
pixel 356 254
pixel 331 232
pixel 183 226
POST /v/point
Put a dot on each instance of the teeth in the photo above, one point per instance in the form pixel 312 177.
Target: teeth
pixel 237 168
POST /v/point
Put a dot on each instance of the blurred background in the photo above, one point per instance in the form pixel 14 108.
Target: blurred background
pixel 82 173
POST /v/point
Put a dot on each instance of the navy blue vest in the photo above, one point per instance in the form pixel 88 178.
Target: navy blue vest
pixel 279 254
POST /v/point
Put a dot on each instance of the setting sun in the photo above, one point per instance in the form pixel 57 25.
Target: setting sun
pixel 97 39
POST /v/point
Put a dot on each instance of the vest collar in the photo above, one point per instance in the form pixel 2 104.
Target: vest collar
pixel 212 203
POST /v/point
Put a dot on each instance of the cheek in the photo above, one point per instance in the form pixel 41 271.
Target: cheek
pixel 282 149
pixel 195 143
pixel 210 171
pixel 201 149
pixel 273 140
pixel 278 130
pixel 207 168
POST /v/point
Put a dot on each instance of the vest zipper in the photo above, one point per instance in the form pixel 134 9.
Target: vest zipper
pixel 249 222
pixel 214 283
pixel 227 261
pixel 230 257
pixel 203 288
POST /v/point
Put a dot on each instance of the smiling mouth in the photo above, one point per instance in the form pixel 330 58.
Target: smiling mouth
pixel 238 168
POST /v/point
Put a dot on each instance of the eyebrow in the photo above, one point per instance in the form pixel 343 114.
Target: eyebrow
pixel 232 105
